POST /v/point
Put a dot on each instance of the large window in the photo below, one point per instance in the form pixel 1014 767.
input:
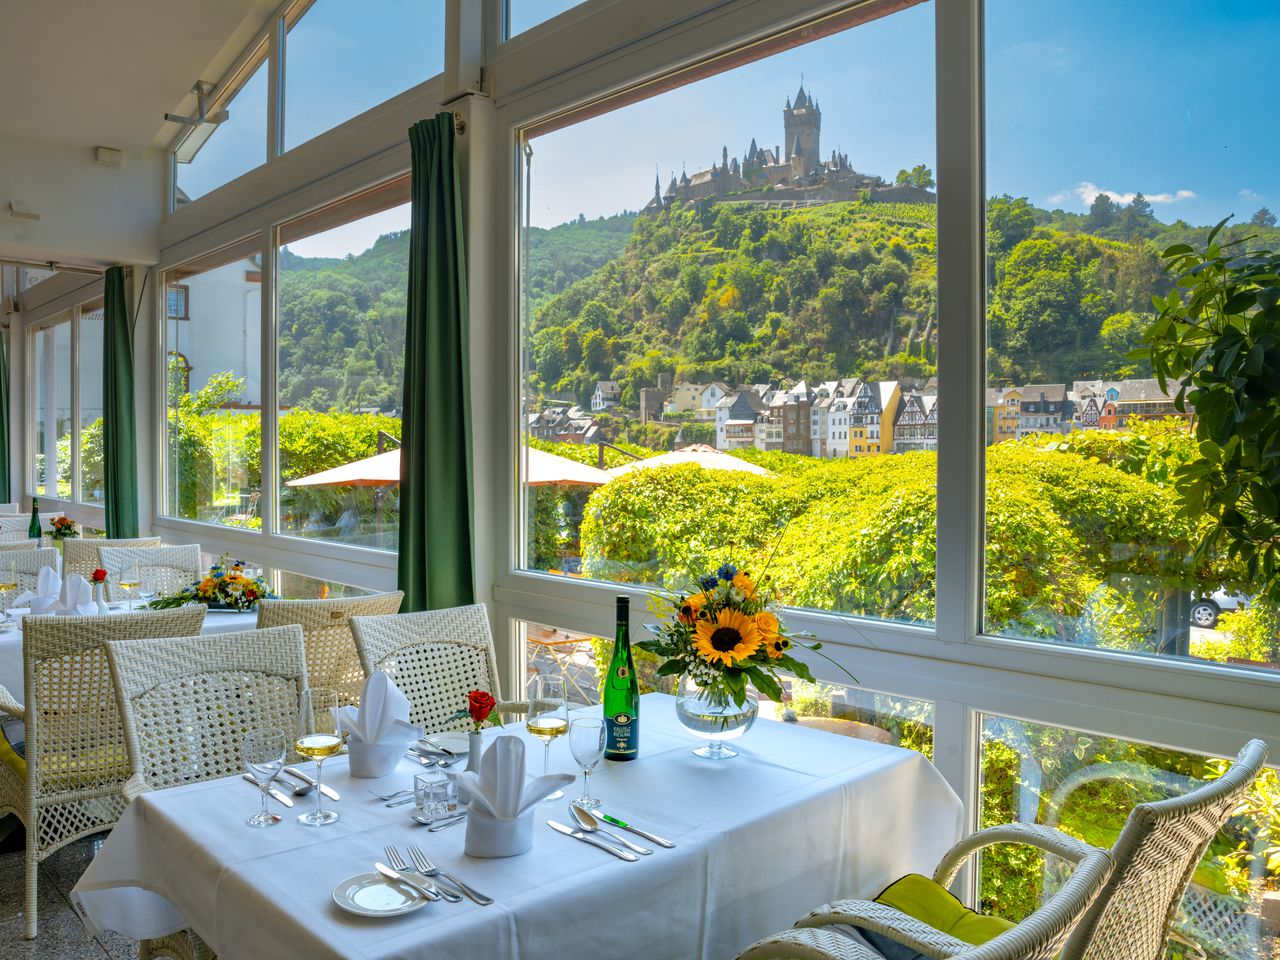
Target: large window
pixel 343 59
pixel 214 390
pixel 523 15
pixel 90 398
pixel 1103 150
pixel 764 307
pixel 214 153
pixel 340 321
pixel 51 404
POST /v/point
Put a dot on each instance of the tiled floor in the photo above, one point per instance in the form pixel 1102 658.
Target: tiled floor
pixel 62 935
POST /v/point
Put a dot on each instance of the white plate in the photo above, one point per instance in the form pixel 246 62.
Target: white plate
pixel 373 895
pixel 453 741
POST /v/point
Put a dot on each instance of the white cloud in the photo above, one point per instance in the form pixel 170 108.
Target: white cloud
pixel 1086 192
pixel 1247 194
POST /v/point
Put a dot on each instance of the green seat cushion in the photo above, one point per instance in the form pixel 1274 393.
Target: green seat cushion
pixel 930 903
pixel 11 755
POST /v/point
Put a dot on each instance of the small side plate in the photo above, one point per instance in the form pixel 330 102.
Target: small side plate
pixel 452 740
pixel 373 895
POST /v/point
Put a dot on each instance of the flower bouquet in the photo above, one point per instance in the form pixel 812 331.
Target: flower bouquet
pixel 63 528
pixel 224 587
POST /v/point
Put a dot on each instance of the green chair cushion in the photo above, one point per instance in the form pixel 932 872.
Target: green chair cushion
pixel 930 903
pixel 11 755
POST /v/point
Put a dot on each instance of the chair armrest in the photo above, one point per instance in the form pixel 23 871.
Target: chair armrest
pixel 808 945
pixel 1049 839
pixel 893 923
pixel 135 787
pixel 512 706
pixel 11 706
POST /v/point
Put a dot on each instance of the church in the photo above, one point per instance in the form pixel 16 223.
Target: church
pixel 794 173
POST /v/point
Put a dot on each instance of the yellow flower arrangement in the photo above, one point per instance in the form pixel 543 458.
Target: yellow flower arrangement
pixel 225 586
pixel 731 638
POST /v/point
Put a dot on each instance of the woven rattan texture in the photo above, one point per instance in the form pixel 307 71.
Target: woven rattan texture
pixel 76 759
pixel 435 657
pixel 19 545
pixel 816 944
pixel 187 704
pixel 26 566
pixel 332 662
pixel 80 555
pixel 167 569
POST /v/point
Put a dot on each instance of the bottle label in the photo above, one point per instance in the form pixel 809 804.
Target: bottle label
pixel 621 734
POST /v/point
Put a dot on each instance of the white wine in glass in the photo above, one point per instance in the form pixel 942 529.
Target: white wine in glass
pixel 317 740
pixel 130 579
pixel 548 717
pixel 8 575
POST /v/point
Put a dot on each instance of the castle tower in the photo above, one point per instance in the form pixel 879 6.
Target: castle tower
pixel 802 122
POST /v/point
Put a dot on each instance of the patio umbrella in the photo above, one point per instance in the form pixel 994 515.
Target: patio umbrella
pixel 543 469
pixel 384 469
pixel 709 458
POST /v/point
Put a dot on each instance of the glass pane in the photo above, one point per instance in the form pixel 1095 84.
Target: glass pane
pixel 297 586
pixel 330 51
pixel 91 346
pixel 856 712
pixel 1086 785
pixel 770 309
pixel 219 154
pixel 341 322
pixel 578 657
pixel 524 14
pixel 52 408
pixel 214 370
pixel 1102 151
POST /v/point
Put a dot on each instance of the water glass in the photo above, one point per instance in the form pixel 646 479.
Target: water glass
pixel 263 754
pixel 586 742
pixel 434 797
pixel 318 739
pixel 148 590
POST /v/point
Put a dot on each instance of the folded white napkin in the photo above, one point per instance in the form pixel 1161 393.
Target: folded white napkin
pixel 76 597
pixel 383 714
pixel 499 789
pixel 45 595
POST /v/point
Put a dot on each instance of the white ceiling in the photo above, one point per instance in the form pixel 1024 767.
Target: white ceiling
pixel 104 72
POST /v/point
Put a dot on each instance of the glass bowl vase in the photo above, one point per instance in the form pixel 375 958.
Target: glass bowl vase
pixel 716 719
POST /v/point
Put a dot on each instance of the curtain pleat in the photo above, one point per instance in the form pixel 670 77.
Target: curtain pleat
pixel 5 490
pixel 436 538
pixel 119 423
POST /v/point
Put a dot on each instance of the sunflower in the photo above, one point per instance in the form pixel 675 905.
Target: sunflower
pixel 691 608
pixel 776 646
pixel 745 585
pixel 730 639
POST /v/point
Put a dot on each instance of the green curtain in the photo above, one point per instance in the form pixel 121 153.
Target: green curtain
pixel 5 491
pixel 119 424
pixel 435 459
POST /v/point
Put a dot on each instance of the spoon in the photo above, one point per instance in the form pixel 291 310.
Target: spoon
pixel 300 790
pixel 589 824
pixel 438 824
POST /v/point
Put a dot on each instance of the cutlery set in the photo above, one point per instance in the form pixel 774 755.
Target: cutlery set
pixel 424 877
pixel 304 786
pixel 588 830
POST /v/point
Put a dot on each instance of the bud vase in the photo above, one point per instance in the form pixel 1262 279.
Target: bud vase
pixel 99 599
pixel 475 747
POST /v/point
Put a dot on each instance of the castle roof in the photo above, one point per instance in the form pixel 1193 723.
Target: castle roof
pixel 802 99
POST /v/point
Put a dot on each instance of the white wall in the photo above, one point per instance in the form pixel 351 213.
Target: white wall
pixel 224 332
pixel 61 183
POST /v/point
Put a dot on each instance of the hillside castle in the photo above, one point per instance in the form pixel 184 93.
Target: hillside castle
pixel 797 176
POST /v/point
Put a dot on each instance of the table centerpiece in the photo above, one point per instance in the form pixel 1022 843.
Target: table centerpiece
pixel 62 528
pixel 718 638
pixel 225 587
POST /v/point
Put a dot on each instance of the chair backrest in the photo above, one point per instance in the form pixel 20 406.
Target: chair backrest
pixel 23 544
pixel 168 569
pixel 332 662
pixel 435 657
pixel 212 690
pixel 1155 856
pixel 10 508
pixel 74 737
pixel 80 555
pixel 26 567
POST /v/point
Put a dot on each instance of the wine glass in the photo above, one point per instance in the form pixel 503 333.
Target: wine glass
pixel 586 741
pixel 263 755
pixel 147 589
pixel 130 580
pixel 318 740
pixel 548 717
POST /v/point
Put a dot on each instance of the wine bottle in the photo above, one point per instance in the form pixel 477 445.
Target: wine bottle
pixel 33 531
pixel 622 693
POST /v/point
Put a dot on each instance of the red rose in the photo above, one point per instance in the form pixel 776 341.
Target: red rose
pixel 98 576
pixel 480 704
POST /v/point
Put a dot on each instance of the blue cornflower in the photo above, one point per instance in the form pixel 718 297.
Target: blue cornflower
pixel 708 582
pixel 727 572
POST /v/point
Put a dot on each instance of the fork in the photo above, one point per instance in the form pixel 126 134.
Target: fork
pixel 390 796
pixel 428 869
pixel 398 864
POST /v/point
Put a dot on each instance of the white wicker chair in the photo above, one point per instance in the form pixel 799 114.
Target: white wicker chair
pixel 80 555
pixel 169 569
pixel 76 765
pixel 250 680
pixel 27 565
pixel 19 545
pixel 1155 857
pixel 332 662
pixel 10 509
pixel 436 658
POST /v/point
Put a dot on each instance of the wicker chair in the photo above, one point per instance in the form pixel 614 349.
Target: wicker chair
pixel 75 765
pixel 27 565
pixel 332 662
pixel 19 545
pixel 1155 857
pixel 80 555
pixel 435 657
pixel 251 679
pixel 169 569
pixel 1038 937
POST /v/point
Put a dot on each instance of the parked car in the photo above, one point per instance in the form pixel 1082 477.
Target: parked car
pixel 1206 610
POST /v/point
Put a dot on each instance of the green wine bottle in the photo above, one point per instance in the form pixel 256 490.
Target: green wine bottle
pixel 622 693
pixel 33 531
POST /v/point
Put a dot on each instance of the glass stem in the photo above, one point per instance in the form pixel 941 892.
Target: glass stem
pixel 319 795
pixel 266 787
pixel 546 757
pixel 586 784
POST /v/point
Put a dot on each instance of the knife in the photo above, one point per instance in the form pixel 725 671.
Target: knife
pixel 327 790
pixel 427 891
pixel 435 746
pixel 587 838
pixel 652 838
pixel 276 794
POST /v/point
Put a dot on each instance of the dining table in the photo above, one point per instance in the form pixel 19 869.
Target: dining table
pixel 799 817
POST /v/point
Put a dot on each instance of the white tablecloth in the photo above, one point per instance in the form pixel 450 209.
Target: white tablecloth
pixel 800 817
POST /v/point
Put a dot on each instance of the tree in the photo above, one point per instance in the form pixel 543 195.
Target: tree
pixel 1263 218
pixel 918 176
pixel 1009 222
pixel 1103 213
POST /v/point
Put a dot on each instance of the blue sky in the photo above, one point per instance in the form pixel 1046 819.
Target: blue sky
pixel 1172 98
